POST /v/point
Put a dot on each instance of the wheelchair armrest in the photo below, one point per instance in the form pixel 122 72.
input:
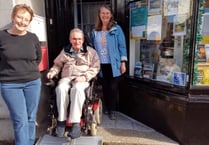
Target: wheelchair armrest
pixel 92 81
pixel 89 90
pixel 50 83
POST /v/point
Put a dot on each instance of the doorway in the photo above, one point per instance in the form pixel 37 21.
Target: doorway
pixel 62 16
pixel 85 13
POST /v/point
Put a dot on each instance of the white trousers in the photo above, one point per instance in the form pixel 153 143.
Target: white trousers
pixel 77 98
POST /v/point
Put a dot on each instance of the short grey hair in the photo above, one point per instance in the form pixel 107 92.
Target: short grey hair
pixel 76 30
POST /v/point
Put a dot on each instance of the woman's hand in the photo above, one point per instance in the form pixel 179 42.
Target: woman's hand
pixel 123 67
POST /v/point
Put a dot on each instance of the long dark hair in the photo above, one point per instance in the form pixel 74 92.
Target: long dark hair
pixel 98 24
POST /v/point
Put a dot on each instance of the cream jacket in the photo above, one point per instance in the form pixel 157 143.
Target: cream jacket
pixel 85 64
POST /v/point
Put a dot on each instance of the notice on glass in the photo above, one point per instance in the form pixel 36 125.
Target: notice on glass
pixel 154 7
pixel 207 52
pixel 205 30
pixel 176 7
pixel 201 53
pixel 138 21
pixel 205 40
pixel 203 74
pixel 179 78
pixel 179 28
pixel 154 26
pixel 203 64
pixel 138 31
pixel 170 7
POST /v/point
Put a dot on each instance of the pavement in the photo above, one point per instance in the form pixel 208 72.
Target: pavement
pixel 127 131
pixel 122 131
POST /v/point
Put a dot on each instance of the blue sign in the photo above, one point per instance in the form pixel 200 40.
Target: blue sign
pixel 179 78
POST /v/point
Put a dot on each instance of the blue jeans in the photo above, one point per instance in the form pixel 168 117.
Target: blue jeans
pixel 22 100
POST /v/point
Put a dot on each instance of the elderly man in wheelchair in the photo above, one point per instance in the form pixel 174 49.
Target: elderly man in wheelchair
pixel 78 64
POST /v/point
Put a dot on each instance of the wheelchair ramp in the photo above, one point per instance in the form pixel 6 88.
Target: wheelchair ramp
pixel 91 140
pixel 51 140
pixel 83 140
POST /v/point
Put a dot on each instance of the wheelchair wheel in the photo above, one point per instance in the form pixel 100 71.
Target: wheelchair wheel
pixel 93 129
pixel 98 113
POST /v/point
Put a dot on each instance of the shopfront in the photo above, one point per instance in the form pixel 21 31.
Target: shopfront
pixel 167 86
pixel 167 83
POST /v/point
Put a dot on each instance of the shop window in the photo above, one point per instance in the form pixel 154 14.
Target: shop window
pixel 160 34
pixel 201 61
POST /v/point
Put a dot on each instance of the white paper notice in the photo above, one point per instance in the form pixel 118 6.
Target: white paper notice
pixel 154 27
pixel 138 31
pixel 205 30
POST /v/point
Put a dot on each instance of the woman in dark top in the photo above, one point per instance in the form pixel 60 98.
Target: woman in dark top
pixel 20 84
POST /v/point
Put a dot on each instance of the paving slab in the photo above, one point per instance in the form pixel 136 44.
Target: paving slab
pixel 127 131
pixel 6 129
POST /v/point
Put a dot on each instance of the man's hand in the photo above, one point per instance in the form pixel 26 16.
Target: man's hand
pixel 80 79
pixel 51 74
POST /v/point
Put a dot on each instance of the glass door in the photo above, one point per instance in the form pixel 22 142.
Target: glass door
pixel 85 13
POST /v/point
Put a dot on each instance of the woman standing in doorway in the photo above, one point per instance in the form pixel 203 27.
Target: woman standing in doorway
pixel 109 41
pixel 20 84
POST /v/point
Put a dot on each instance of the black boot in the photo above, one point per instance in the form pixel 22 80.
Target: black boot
pixel 75 131
pixel 60 129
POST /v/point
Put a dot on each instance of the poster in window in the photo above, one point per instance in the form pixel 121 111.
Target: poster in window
pixel 154 7
pixel 179 28
pixel 206 4
pixel 201 53
pixel 154 26
pixel 170 7
pixel 179 78
pixel 138 20
pixel 205 30
pixel 176 7
pixel 203 74
pixel 207 52
pixel 183 7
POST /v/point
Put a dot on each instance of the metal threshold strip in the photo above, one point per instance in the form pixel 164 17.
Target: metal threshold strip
pixel 83 140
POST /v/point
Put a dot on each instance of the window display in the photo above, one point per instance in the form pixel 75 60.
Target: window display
pixel 161 39
pixel 201 64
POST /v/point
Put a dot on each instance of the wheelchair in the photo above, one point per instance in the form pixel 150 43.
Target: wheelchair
pixel 91 112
